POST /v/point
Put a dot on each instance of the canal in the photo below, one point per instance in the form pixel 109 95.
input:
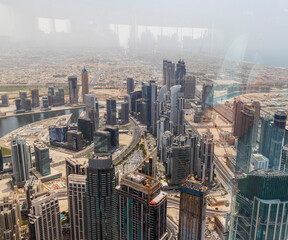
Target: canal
pixel 9 124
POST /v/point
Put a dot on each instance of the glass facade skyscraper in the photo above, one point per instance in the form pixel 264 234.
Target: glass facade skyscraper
pixel 101 200
pixel 262 203
pixel 42 160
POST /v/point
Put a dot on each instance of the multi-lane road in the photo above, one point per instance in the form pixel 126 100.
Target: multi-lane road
pixel 137 132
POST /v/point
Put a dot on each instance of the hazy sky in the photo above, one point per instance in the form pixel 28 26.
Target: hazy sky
pixel 259 24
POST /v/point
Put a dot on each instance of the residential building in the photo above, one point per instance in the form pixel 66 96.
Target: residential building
pixel 142 208
pixel 44 218
pixel 76 201
pixel 10 217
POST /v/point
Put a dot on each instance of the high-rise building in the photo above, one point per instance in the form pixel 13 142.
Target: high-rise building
pixel 10 217
pixel 1 160
pixel 76 201
pixel 101 199
pixel 262 206
pixel 21 159
pixel 58 99
pixel 259 161
pixel 85 126
pixel 192 211
pixel 180 73
pixel 130 85
pixel 175 92
pixel 102 141
pixel 189 87
pixel 73 166
pixel 142 208
pixel 149 93
pixel 168 74
pixel 92 110
pixel 42 160
pixel 35 98
pixel 26 104
pixel 114 133
pixel 125 112
pixel 32 186
pixel 179 164
pixel 44 218
pixel 85 84
pixel 4 101
pixel 272 138
pixel 284 159
pixel 133 98
pixel 73 90
pixel 236 123
pixel 164 71
pixel 179 125
pixel 207 157
pixel 22 95
pixel 57 134
pixel 207 95
pixel 111 111
pixel 244 147
pixel 45 103
pixel 74 140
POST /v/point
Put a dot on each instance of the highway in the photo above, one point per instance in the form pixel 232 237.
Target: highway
pixel 172 229
pixel 135 139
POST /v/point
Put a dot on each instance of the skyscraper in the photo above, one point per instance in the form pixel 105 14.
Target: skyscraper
pixel 21 159
pixel 179 164
pixel 102 141
pixel 76 201
pixel 85 84
pixel 125 112
pixel 179 125
pixel 207 95
pixel 236 124
pixel 73 90
pixel 149 93
pixel 142 208
pixel 85 126
pixel 262 202
pixel 130 85
pixel 192 211
pixel 244 148
pixel 92 110
pixel 272 138
pixel 4 100
pixel 73 166
pixel 175 94
pixel 111 111
pixel 42 160
pixel 101 200
pixel 168 74
pixel 44 218
pixel 207 157
pixel 189 87
pixel 180 73
pixel 10 217
pixel 35 98
pixel 1 160
pixel 133 97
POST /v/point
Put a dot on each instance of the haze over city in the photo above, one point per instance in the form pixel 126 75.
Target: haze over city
pixel 143 120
